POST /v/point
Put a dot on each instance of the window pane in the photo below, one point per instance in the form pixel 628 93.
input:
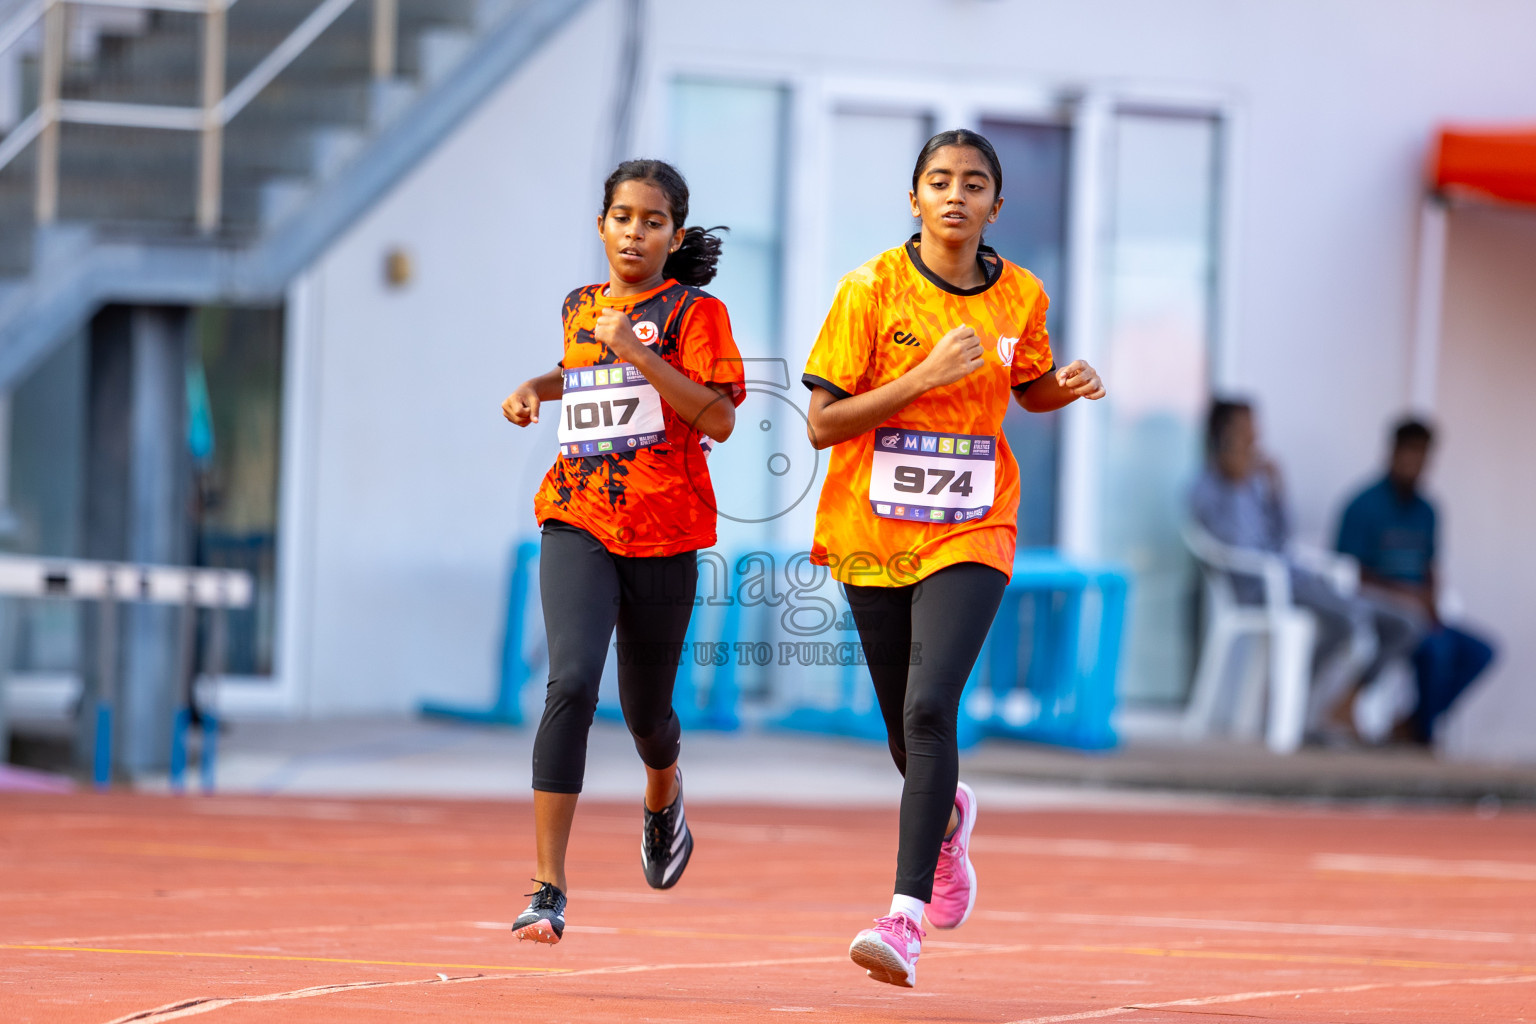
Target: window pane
pixel 871 174
pixel 240 354
pixel 1031 231
pixel 727 139
pixel 1161 261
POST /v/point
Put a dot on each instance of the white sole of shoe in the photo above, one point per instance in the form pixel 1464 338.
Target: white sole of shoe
pixel 882 962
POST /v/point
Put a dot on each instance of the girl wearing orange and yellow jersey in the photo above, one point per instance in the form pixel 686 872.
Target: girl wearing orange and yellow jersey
pixel 910 378
pixel 649 369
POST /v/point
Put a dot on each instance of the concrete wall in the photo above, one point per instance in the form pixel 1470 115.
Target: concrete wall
pixel 1484 473
pixel 414 485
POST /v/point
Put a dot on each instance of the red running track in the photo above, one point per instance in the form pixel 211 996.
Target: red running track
pixel 124 908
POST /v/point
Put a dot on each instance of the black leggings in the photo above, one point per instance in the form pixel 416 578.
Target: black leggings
pixel 920 642
pixel 587 591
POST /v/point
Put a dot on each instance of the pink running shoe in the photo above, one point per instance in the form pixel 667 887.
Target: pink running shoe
pixel 954 880
pixel 889 950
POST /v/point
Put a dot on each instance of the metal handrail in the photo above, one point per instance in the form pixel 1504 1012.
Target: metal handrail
pixel 21 137
pixel 22 20
pixel 218 106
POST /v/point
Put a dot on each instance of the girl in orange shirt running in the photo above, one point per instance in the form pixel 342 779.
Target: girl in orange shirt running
pixel 910 377
pixel 649 367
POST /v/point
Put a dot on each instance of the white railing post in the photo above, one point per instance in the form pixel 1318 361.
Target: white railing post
pixel 50 88
pixel 385 38
pixel 210 176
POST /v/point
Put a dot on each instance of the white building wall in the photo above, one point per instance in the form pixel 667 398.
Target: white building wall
pixel 418 484
pixel 1483 473
pixel 415 484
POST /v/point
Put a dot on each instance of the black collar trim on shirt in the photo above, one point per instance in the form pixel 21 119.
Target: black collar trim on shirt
pixel 991 268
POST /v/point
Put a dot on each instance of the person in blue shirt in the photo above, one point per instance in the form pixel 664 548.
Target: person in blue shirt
pixel 1390 529
pixel 1239 500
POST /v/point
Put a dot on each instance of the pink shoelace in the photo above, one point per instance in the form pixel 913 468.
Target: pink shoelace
pixel 901 924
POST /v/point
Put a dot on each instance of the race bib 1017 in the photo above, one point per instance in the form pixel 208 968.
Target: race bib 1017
pixel 921 476
pixel 608 409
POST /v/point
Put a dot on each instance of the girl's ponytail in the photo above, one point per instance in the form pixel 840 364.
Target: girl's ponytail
pixel 694 261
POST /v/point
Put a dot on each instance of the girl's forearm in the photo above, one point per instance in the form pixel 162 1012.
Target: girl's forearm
pixel 835 421
pixel 701 406
pixel 549 386
pixel 1045 394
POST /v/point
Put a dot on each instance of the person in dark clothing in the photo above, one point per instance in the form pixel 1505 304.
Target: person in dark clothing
pixel 1239 500
pixel 1390 529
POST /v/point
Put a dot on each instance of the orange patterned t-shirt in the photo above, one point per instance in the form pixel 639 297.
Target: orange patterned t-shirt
pixel 886 318
pixel 657 500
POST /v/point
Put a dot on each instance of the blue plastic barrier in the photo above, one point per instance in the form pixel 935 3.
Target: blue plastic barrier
pixel 515 670
pixel 717 710
pixel 206 757
pixel 1065 697
pixel 856 714
pixel 101 766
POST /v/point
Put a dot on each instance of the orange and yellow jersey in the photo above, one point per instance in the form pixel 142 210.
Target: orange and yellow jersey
pixel 886 318
pixel 657 500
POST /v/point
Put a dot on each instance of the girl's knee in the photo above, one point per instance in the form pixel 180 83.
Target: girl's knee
pixel 577 689
pixel 929 711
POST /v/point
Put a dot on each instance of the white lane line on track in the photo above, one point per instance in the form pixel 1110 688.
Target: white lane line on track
pixel 196 1007
pixel 1241 997
pixel 1264 927
pixel 193 1007
pixel 1503 870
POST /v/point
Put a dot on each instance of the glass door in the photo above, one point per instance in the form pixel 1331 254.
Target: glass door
pixel 1158 278
pixel 1031 231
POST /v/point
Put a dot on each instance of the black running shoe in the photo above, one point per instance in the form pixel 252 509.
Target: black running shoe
pixel 665 843
pixel 544 920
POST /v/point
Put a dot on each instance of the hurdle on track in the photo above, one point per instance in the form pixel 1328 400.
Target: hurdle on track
pixel 112 583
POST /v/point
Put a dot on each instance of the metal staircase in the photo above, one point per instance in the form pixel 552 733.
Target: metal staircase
pixel 201 151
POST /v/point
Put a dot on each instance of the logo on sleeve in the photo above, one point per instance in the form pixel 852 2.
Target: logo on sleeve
pixel 906 338
pixel 646 332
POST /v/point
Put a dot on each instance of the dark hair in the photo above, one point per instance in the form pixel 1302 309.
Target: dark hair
pixel 694 261
pixel 959 137
pixel 1223 412
pixel 1412 431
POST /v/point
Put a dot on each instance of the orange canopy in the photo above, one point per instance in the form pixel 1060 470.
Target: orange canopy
pixel 1494 164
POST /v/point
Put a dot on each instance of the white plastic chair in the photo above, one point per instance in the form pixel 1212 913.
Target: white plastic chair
pixel 1288 630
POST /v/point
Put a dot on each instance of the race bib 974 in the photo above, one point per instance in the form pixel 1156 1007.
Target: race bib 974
pixel 608 409
pixel 921 476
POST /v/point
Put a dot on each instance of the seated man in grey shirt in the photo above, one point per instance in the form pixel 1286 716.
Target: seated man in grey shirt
pixel 1238 500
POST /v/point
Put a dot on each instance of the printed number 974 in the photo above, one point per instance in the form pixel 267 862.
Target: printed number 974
pixel 913 480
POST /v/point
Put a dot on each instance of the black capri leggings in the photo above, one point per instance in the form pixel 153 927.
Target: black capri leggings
pixel 920 642
pixel 587 592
